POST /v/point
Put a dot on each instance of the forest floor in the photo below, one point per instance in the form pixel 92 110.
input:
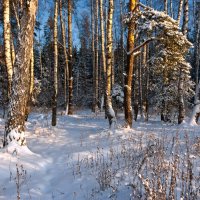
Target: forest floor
pixel 81 159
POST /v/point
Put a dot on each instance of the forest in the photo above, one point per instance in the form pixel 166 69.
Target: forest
pixel 100 99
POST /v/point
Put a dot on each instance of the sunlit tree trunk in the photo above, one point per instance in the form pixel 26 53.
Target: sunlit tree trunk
pixel 66 72
pixel 31 85
pixel 179 11
pixel 7 43
pixel 122 41
pixel 102 48
pixel 70 84
pixel 129 70
pixel 55 72
pixel 14 130
pixel 109 110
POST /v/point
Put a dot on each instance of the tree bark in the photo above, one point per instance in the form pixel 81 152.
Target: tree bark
pixel 196 110
pixel 7 43
pixel 181 106
pixel 109 110
pixel 166 6
pixel 66 72
pixel 122 41
pixel 31 85
pixel 70 90
pixel 185 17
pixel 129 70
pixel 96 69
pixel 14 129
pixel 102 50
pixel 179 11
pixel 55 69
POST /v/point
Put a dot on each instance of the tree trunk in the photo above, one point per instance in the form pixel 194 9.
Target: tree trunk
pixel 96 74
pixel 122 41
pixel 109 110
pixel 31 85
pixel 140 88
pixel 55 69
pixel 181 106
pixel 102 50
pixel 179 11
pixel 70 90
pixel 93 53
pixel 171 9
pixel 129 70
pixel 66 72
pixel 165 6
pixel 7 43
pixel 185 17
pixel 14 129
pixel 196 109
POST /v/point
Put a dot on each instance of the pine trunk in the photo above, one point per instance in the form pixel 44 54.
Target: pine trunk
pixel 55 69
pixel 129 70
pixel 14 130
pixel 122 42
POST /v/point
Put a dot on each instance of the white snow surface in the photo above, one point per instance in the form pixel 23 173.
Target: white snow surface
pixel 59 162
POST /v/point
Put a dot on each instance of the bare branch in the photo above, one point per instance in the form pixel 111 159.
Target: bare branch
pixel 141 45
pixel 16 16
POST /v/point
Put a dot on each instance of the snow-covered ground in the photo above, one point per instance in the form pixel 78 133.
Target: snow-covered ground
pixel 82 159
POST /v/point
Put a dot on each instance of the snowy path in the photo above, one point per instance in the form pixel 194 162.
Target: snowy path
pixel 60 167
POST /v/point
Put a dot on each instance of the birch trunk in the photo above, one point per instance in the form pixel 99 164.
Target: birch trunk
pixel 55 72
pixel 179 11
pixel 31 85
pixel 70 90
pixel 7 43
pixel 66 72
pixel 129 70
pixel 102 51
pixel 109 109
pixel 14 129
pixel 96 74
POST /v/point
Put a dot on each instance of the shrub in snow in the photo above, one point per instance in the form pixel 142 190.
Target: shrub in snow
pixel 118 95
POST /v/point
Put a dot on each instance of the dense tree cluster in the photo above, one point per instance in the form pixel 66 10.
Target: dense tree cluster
pixel 140 54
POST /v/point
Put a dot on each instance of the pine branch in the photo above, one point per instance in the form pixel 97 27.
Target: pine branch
pixel 141 45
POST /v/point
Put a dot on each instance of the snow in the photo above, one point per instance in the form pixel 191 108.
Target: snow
pixel 77 158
